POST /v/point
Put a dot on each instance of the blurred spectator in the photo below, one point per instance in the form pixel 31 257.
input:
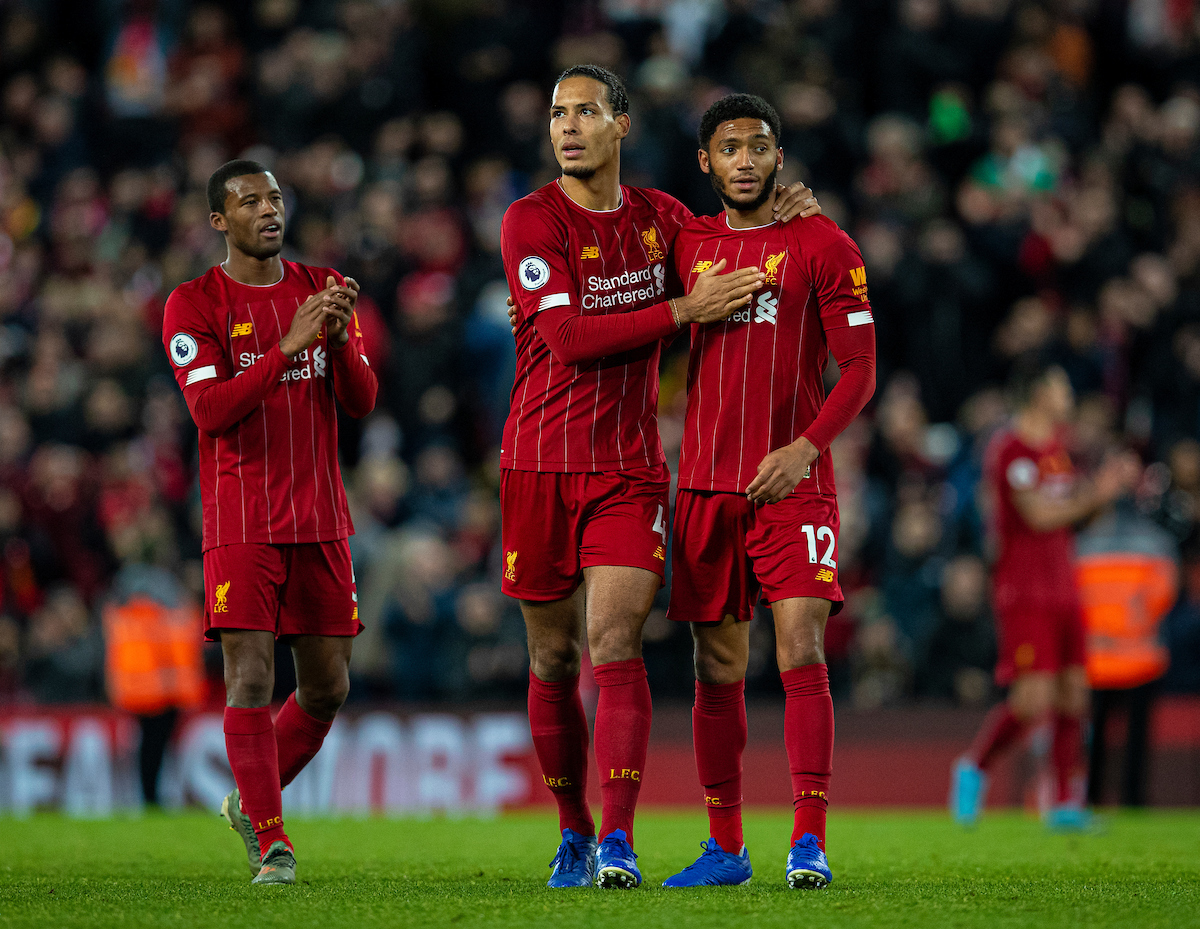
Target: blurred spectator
pixel 65 651
pixel 1010 196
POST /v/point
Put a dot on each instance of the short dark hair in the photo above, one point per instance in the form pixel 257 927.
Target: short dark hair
pixel 1028 374
pixel 223 175
pixel 618 99
pixel 739 106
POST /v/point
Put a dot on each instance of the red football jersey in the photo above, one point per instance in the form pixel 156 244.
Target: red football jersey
pixel 1030 565
pixel 755 379
pixel 601 416
pixel 272 475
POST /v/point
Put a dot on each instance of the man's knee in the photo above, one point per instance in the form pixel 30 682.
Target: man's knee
pixel 616 638
pixel 323 700
pixel 555 657
pixel 722 652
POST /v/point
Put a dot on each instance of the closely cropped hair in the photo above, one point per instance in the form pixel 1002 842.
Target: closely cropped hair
pixel 618 100
pixel 1028 374
pixel 739 106
pixel 223 175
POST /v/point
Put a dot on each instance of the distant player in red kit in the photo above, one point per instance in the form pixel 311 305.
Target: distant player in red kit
pixel 584 485
pixel 261 348
pixel 1036 498
pixel 756 508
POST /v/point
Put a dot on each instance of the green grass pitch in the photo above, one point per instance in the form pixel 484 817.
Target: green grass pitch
pixel 891 869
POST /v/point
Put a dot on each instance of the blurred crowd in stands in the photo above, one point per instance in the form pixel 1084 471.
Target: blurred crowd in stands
pixel 1023 176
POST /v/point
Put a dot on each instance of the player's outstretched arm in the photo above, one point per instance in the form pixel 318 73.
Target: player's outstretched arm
pixel 354 383
pixel 1118 474
pixel 578 339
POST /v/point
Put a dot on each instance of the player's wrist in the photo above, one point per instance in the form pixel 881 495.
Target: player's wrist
pixel 675 312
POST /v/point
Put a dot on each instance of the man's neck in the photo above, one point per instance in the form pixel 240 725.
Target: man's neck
pixel 748 219
pixel 601 191
pixel 1034 428
pixel 257 272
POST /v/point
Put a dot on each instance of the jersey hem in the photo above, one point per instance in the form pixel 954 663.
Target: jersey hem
pixel 568 467
pixel 303 538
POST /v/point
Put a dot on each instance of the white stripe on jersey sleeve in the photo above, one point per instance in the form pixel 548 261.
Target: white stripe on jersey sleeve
pixel 861 318
pixel 552 300
pixel 201 374
pixel 364 358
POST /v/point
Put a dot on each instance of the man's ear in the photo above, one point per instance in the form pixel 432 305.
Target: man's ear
pixel 623 124
pixel 217 221
pixel 702 156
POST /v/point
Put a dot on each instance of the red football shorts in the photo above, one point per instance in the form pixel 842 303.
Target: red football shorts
pixel 724 549
pixel 303 589
pixel 555 525
pixel 1037 636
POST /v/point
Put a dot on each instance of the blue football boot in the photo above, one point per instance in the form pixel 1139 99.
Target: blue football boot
pixel 616 864
pixel 807 867
pixel 1070 817
pixel 715 868
pixel 574 864
pixel 968 790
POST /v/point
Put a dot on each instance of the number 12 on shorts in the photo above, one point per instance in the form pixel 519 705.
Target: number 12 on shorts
pixel 816 534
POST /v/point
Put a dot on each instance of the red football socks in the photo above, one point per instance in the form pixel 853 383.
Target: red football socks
pixel 1000 729
pixel 808 737
pixel 254 758
pixel 1066 751
pixel 560 738
pixel 719 736
pixel 299 737
pixel 622 737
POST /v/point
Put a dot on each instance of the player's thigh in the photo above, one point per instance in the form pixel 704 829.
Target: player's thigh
pixel 1031 695
pixel 540 529
pixel 624 520
pixel 617 601
pixel 1072 693
pixel 241 588
pixel 318 597
pixel 712 576
pixel 794 546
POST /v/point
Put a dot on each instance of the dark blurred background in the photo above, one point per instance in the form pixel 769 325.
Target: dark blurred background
pixel 1021 177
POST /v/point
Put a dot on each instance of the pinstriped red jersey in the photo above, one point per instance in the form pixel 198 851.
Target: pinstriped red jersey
pixel 600 416
pixel 755 380
pixel 273 476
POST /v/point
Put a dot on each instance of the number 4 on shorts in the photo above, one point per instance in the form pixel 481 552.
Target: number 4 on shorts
pixel 660 524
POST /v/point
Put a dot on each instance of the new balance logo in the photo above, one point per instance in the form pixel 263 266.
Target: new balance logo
pixel 240 329
pixel 660 554
pixel 589 251
pixel 765 308
pixel 701 266
pixel 826 575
